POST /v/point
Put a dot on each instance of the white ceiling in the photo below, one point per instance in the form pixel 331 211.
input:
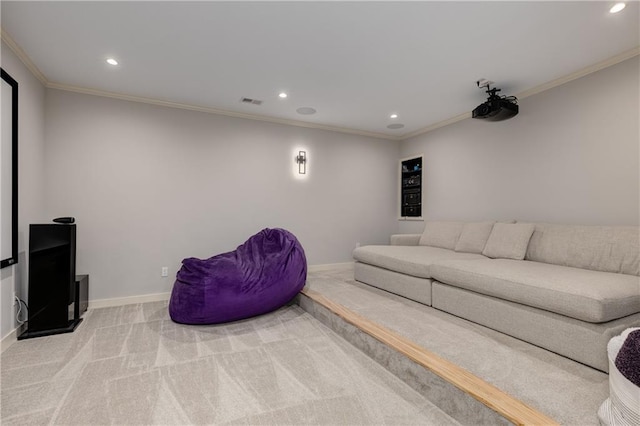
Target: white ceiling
pixel 355 63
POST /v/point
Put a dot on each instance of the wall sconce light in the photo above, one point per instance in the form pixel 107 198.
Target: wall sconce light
pixel 301 159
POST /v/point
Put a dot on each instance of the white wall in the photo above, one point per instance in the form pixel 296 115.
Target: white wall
pixel 571 156
pixel 30 180
pixel 150 186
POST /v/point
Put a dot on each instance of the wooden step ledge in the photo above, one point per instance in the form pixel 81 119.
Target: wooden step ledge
pixel 504 404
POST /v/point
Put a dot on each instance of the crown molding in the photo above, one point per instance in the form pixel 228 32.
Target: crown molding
pixel 538 89
pixel 53 85
pixel 522 95
pixel 580 73
pixel 264 118
pixel 437 125
pixel 6 38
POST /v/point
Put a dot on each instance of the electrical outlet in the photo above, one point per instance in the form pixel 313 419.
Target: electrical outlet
pixel 165 271
pixel 13 297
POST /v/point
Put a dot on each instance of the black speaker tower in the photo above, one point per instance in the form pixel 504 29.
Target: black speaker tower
pixel 53 293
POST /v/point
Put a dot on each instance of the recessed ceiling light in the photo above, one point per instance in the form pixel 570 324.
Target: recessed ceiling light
pixel 306 110
pixel 395 126
pixel 617 7
pixel 393 116
pixel 282 95
pixel 112 61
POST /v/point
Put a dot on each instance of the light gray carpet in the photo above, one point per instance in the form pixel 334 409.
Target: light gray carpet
pixel 133 365
pixel 563 389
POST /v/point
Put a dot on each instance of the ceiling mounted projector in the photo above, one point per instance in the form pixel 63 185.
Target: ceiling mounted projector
pixel 496 108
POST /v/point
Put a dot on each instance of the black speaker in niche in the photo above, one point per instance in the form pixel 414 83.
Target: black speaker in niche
pixel 54 305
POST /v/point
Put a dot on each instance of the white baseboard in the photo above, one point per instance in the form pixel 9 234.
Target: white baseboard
pixel 157 297
pixel 8 340
pixel 119 301
pixel 328 266
pixel 11 338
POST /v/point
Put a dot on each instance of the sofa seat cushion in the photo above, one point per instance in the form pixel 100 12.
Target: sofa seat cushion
pixel 582 294
pixel 409 260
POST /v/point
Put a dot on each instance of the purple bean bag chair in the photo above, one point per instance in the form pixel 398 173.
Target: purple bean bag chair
pixel 260 276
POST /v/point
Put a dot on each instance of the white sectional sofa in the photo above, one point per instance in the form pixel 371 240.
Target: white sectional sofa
pixel 568 289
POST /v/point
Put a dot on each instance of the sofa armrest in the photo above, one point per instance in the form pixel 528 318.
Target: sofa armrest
pixel 405 239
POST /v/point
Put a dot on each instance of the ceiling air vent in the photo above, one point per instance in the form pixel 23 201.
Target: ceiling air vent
pixel 251 101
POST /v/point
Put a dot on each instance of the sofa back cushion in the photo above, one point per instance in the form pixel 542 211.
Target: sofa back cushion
pixel 474 236
pixel 598 248
pixel 508 240
pixel 441 234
